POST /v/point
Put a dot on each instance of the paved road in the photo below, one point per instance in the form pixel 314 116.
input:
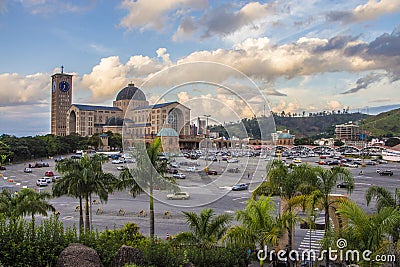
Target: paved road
pixel 206 191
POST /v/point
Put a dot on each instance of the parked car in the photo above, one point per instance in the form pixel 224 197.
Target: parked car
pixel 233 160
pixel 381 161
pixel 121 168
pixel 385 172
pixel 171 170
pixel 179 195
pixel 41 182
pixel 191 169
pixel 47 179
pixel 212 172
pixel 27 170
pixel 179 176
pixel 117 161
pixel 240 187
pixel 2 168
pixel 45 164
pixel 55 178
pixel 344 185
pixel 49 174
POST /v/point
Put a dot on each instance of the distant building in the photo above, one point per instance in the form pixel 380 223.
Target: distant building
pixel 347 132
pixel 325 142
pixel 283 138
pixel 169 140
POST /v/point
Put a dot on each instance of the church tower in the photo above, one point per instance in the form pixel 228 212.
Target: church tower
pixel 61 100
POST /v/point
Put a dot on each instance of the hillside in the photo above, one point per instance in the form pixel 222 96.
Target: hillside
pixel 300 126
pixel 384 124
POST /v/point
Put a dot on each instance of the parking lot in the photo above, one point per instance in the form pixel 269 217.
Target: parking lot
pixel 212 191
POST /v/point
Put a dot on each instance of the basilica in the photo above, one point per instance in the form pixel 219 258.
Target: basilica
pixel 131 112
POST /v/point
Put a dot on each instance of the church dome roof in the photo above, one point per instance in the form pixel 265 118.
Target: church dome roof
pixel 131 92
pixel 167 132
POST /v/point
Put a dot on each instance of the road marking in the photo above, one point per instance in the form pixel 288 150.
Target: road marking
pixel 229 211
pixel 67 218
pixel 234 199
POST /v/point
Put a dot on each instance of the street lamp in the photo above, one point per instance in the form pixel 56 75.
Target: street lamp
pixel 207 140
pixel 312 218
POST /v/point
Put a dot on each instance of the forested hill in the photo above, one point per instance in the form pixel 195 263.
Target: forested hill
pixel 306 126
pixel 315 125
pixel 384 124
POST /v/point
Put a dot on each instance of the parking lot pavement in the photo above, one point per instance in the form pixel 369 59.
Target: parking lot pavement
pixel 212 191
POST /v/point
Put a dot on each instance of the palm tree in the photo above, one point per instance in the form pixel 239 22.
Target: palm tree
pixel 206 230
pixel 289 182
pixel 148 173
pixel 384 199
pixel 82 178
pixel 9 204
pixel 367 231
pixel 32 203
pixel 259 226
pixel 326 182
pixel 71 184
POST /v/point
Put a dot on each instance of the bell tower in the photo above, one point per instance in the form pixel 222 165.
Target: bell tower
pixel 61 100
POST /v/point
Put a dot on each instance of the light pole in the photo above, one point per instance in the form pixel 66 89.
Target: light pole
pixel 207 140
pixel 312 218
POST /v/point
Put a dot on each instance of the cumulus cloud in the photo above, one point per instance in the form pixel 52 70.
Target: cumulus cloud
pixel 334 104
pixel 32 89
pixel 153 14
pixel 370 11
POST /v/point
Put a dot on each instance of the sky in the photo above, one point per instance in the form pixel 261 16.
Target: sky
pixel 301 55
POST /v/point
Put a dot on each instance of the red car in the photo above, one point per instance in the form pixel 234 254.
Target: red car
pixel 212 172
pixel 49 174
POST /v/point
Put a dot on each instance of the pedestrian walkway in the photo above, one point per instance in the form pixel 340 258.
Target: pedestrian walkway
pixel 312 239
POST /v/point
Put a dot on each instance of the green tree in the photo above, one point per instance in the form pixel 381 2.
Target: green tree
pixel 148 173
pixel 384 199
pixel 9 204
pixel 206 229
pixel 32 203
pixel 259 226
pixel 82 178
pixel 289 182
pixel 367 231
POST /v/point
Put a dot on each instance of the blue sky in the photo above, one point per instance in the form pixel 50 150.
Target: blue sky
pixel 304 55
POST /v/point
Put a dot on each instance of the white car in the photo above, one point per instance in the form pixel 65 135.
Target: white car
pixel 179 195
pixel 179 176
pixel 191 169
pixel 47 179
pixel 233 160
pixel 117 161
pixel 27 170
pixel 121 168
pixel 41 182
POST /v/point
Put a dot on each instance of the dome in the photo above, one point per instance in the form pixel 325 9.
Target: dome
pixel 167 132
pixel 131 92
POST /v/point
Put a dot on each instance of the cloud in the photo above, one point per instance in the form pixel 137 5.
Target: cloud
pixel 56 6
pixel 370 11
pixel 153 14
pixel 364 82
pixel 186 29
pixel 24 90
pixel 334 105
pixel 274 92
pixel 223 21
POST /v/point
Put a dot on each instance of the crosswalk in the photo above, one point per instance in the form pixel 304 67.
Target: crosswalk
pixel 312 240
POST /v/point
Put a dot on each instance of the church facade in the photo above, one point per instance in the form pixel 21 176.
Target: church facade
pixel 143 121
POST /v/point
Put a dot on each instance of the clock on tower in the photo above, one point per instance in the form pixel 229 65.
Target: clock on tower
pixel 61 100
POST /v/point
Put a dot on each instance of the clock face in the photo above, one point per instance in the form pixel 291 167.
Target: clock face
pixel 64 86
pixel 54 87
